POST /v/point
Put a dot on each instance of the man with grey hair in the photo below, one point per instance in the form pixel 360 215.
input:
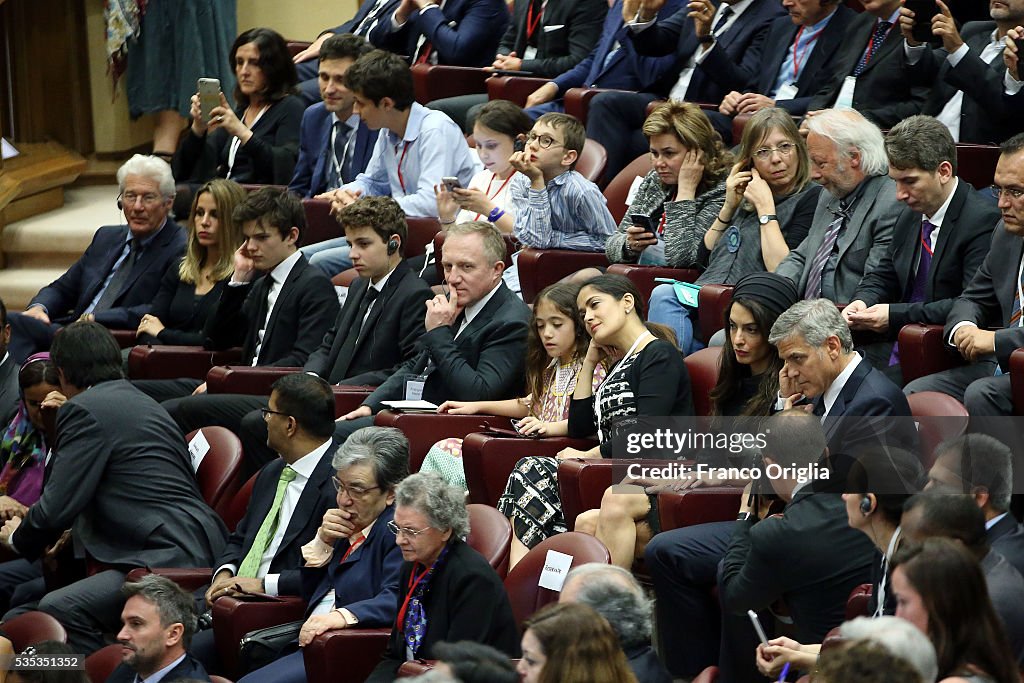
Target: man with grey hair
pixel 616 595
pixel 158 621
pixel 937 246
pixel 116 279
pixel 853 222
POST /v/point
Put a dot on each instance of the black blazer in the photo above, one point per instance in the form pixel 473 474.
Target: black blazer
pixel 466 601
pixel 988 299
pixel 268 158
pixel 885 93
pixel 961 247
pixel 809 556
pixel 1007 538
pixel 732 62
pixel 564 35
pixel 485 363
pixel 304 309
pixel 10 390
pixel 318 496
pixel 985 116
pixel 121 479
pixel 67 297
pixel 390 334
pixel 314 162
pixel 183 315
pixel 463 33
pixel 190 668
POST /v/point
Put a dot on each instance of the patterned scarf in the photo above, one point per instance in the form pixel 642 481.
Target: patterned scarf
pixel 21 444
pixel 414 628
pixel 122 18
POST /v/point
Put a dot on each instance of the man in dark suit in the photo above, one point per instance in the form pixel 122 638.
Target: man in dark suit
pixel 970 91
pixel 291 494
pixel 10 390
pixel 870 73
pixel 992 298
pixel 613 63
pixel 736 31
pixel 115 280
pixel 158 622
pixel 108 433
pixel 799 58
pixel 334 143
pixel 279 318
pixel 456 33
pixel 544 40
pixel 981 466
pixel 474 348
pixel 375 332
pixel 936 248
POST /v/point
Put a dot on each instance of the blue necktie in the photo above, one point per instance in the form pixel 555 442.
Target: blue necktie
pixel 877 38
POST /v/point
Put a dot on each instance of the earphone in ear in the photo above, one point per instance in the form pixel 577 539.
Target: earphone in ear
pixel 865 505
pixel 393 245
pixel 120 204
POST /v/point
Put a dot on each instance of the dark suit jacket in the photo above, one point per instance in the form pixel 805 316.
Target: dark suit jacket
pixel 464 32
pixel 318 495
pixel 626 70
pixel 268 158
pixel 466 601
pixel 67 297
pixel 189 668
pixel 985 116
pixel 314 163
pixel 1006 589
pixel 10 390
pixel 564 35
pixel 818 70
pixel 390 334
pixel 485 363
pixel 646 665
pixel 961 247
pixel 808 555
pixel 305 307
pixel 730 65
pixel 885 91
pixel 366 583
pixel 988 299
pixel 386 10
pixel 1007 537
pixel 121 479
pixel 183 317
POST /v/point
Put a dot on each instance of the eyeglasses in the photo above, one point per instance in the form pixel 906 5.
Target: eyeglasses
pixel 1009 192
pixel 765 153
pixel 148 199
pixel 544 140
pixel 354 492
pixel 268 411
pixel 413 533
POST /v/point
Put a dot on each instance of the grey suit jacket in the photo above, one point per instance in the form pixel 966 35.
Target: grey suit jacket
pixel 988 300
pixel 122 481
pixel 10 392
pixel 862 244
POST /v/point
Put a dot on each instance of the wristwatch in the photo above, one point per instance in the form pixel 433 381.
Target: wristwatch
pixel 767 218
pixel 744 516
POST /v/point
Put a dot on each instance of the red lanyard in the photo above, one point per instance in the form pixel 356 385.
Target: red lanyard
pixel 531 23
pixel 810 44
pixel 401 180
pixel 411 587
pixel 492 196
pixel 869 53
pixel 661 224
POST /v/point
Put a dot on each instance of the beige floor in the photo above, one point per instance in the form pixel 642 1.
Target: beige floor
pixel 38 249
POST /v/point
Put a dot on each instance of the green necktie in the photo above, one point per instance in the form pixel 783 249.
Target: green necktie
pixel 251 564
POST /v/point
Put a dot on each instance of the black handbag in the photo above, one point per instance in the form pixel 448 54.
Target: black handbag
pixel 263 646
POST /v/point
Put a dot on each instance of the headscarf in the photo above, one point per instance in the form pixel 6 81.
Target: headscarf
pixel 22 444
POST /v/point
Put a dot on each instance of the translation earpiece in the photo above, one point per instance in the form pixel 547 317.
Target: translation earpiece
pixel 393 245
pixel 865 505
pixel 120 204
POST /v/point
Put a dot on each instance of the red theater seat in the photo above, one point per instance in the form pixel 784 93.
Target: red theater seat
pixel 539 268
pixel 939 417
pixel 924 351
pixel 218 473
pixel 490 533
pixel 172 362
pixel 234 617
pixel 424 429
pixel 513 88
pixel 435 81
pixel 646 277
pixel 703 367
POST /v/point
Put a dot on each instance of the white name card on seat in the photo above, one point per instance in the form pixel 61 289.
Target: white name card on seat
pixel 633 188
pixel 198 447
pixel 556 567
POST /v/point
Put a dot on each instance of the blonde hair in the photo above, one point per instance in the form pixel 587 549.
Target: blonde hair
pixel 694 130
pixel 226 195
pixel 760 126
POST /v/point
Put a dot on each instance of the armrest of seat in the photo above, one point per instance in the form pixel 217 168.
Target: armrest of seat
pixel 359 649
pixel 435 81
pixel 739 122
pixel 858 601
pixel 1017 380
pixel 425 429
pixel 416 667
pixel 320 224
pixel 539 268
pixel 644 276
pixel 924 351
pixel 577 101
pixel 297 46
pixel 233 618
pixel 581 484
pixel 513 88
pixel 712 300
pixel 189 578
pixel 488 460
pixel 172 362
pixel 124 338
pixel 348 397
pixel 698 506
pixel 244 379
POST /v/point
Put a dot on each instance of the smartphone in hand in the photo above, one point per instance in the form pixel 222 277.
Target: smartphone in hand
pixel 209 96
pixel 923 11
pixel 451 183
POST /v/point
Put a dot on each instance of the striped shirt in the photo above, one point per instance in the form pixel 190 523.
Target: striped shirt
pixel 570 213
